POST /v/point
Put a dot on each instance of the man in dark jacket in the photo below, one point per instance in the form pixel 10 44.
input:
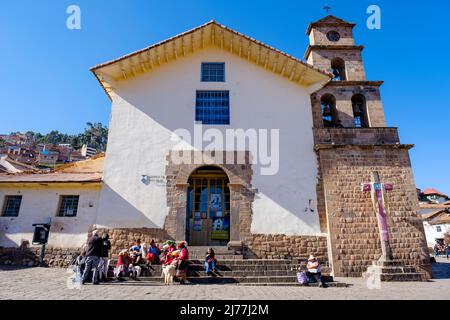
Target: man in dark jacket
pixel 104 260
pixel 93 254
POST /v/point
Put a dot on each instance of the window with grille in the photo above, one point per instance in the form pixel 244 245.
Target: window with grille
pixel 212 107
pixel 68 206
pixel 12 206
pixel 213 72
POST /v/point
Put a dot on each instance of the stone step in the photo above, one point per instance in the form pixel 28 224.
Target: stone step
pixel 217 250
pixel 218 257
pixel 391 270
pixel 236 268
pixel 245 279
pixel 194 273
pixel 243 267
pixel 248 262
pixel 199 270
pixel 391 263
pixel 410 276
pixel 287 284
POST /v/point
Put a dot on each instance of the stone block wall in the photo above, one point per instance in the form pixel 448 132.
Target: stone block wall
pixel 354 68
pixel 124 238
pixel 356 136
pixel 281 246
pixel 352 222
pixel 241 190
pixel 318 35
pixel 29 257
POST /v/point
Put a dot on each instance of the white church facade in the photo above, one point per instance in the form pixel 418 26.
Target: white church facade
pixel 221 140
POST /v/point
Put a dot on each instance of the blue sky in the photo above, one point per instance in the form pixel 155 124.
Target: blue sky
pixel 46 83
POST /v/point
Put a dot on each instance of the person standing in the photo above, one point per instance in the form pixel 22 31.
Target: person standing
pixel 104 258
pixel 436 249
pixel 183 260
pixel 93 253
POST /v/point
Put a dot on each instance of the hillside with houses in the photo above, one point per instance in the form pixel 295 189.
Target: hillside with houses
pixel 30 151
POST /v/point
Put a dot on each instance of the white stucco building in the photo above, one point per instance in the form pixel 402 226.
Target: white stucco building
pixel 221 140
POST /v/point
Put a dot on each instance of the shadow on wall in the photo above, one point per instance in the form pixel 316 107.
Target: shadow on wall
pixel 289 191
pixel 126 215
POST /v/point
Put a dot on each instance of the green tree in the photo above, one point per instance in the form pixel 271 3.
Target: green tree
pixel 95 135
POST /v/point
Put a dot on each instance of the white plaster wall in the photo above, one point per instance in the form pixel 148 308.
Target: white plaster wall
pixel 149 107
pixel 431 233
pixel 40 203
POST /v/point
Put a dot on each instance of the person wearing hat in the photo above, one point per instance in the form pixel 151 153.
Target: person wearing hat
pixel 168 249
pixel 123 264
pixel 153 253
pixel 313 269
pixel 183 260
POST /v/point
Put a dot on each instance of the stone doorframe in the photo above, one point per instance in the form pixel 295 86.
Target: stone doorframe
pixel 241 194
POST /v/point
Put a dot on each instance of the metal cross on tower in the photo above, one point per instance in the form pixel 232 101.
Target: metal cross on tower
pixel 327 8
pixel 378 189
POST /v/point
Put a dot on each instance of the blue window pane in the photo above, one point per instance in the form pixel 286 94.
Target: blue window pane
pixel 212 107
pixel 213 72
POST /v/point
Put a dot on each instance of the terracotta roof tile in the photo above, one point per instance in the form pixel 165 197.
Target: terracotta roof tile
pixel 51 178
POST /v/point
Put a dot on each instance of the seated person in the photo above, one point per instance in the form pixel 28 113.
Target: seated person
pixel 136 252
pixel 123 264
pixel 210 261
pixel 168 249
pixel 80 262
pixel 313 270
pixel 153 253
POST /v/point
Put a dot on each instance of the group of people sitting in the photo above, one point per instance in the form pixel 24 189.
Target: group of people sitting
pixel 95 257
pixel 130 261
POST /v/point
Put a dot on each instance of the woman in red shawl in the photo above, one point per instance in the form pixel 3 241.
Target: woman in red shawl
pixel 183 259
pixel 167 253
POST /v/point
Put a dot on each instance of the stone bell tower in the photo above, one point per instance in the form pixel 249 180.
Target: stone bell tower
pixel 349 100
pixel 352 142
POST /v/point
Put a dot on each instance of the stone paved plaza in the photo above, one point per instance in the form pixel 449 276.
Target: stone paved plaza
pixel 45 283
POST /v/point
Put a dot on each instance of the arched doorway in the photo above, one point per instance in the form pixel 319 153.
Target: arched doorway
pixel 208 207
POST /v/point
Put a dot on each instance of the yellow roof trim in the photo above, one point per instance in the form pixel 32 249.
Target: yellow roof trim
pixel 210 33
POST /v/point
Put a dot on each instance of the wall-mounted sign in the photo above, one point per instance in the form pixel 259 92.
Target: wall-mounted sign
pixel 220 229
pixel 215 202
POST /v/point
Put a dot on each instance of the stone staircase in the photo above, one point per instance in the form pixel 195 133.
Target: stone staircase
pixel 393 271
pixel 232 268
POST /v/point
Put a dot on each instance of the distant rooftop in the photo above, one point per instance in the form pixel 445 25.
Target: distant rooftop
pixel 431 191
pixel 85 171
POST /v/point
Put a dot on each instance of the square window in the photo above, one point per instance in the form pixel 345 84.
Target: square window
pixel 212 107
pixel 12 206
pixel 68 206
pixel 213 72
